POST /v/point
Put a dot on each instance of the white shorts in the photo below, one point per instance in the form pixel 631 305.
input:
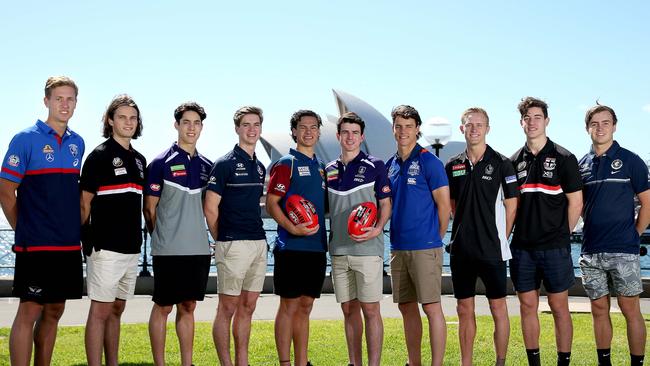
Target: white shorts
pixel 111 275
pixel 241 265
pixel 357 277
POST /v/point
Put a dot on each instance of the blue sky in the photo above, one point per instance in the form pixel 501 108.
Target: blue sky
pixel 440 57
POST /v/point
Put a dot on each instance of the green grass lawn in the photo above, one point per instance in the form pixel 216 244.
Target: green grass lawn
pixel 327 344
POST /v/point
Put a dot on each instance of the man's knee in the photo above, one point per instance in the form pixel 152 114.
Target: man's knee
pixel 305 305
pixel 53 311
pixel 186 307
pixel 465 309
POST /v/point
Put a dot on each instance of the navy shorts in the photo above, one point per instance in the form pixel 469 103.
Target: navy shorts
pixel 466 270
pixel 528 268
pixel 48 277
pixel 298 273
pixel 178 278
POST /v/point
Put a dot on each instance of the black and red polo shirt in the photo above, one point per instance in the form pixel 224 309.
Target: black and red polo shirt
pixel 479 229
pixel 544 179
pixel 116 176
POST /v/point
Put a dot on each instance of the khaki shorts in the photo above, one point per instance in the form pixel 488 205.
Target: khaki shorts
pixel 357 277
pixel 416 275
pixel 111 275
pixel 241 265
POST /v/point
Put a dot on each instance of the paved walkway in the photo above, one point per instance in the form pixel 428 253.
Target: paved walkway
pixel 138 309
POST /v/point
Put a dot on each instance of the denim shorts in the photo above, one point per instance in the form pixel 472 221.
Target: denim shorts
pixel 528 268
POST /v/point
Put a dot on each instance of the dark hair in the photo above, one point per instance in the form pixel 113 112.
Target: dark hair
pixel 122 100
pixel 249 109
pixel 296 116
pixel 57 81
pixel 597 109
pixel 350 117
pixel 473 110
pixel 530 102
pixel 189 106
pixel 407 112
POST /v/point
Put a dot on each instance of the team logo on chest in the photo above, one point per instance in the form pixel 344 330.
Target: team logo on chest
pixel 549 163
pixel 117 162
pixel 521 166
pixel 617 164
pixel 488 172
pixel 260 171
pixel 414 169
pixel 74 150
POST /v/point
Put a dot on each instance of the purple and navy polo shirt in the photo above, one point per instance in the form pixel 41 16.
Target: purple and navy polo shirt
pixel 179 179
pixel 610 183
pixel 239 180
pixel 47 168
pixel 296 173
pixel 414 220
pixel 363 179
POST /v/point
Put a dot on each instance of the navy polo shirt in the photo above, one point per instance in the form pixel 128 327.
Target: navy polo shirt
pixel 414 220
pixel 611 181
pixel 297 173
pixel 363 179
pixel 47 168
pixel 239 180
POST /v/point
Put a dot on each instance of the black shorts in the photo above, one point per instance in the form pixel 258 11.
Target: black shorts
pixel 554 266
pixel 465 270
pixel 178 278
pixel 48 277
pixel 298 273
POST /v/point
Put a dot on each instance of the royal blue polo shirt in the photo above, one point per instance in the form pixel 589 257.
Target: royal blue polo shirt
pixel 414 223
pixel 297 173
pixel 239 179
pixel 47 168
pixel 610 183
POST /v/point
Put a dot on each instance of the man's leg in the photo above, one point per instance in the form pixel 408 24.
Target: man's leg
pixel 499 310
pixel 300 327
pixel 353 330
pixel 602 322
pixel 466 329
pixel 242 325
pixel 45 332
pixel 96 328
pixel 21 337
pixel 283 328
pixel 185 330
pixel 112 333
pixel 528 305
pixel 158 331
pixel 374 332
pixel 636 331
pixel 221 327
pixel 437 331
pixel 412 331
pixel 559 304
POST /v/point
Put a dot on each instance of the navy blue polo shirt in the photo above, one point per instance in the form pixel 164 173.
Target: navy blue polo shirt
pixel 297 173
pixel 414 220
pixel 610 183
pixel 47 168
pixel 239 180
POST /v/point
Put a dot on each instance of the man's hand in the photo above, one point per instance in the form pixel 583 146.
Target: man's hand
pixel 303 230
pixel 369 233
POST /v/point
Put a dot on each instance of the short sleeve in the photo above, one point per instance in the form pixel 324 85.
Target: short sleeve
pixel 155 175
pixel 89 180
pixel 570 179
pixel 509 179
pixel 280 178
pixel 16 160
pixel 639 175
pixel 219 177
pixel 382 186
pixel 434 172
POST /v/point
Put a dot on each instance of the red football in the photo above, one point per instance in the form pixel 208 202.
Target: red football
pixel 364 215
pixel 301 210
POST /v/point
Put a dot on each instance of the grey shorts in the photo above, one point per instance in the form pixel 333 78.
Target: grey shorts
pixel 611 273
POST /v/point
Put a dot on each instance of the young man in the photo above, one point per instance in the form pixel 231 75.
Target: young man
pixel 550 203
pixel 419 221
pixel 232 210
pixel 612 178
pixel 357 261
pixel 111 197
pixel 483 189
pixel 179 242
pixel 39 194
pixel 299 251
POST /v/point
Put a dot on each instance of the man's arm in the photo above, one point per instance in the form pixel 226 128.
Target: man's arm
pixel 575 208
pixel 511 212
pixel 452 205
pixel 441 197
pixel 86 199
pixel 149 211
pixel 211 211
pixel 8 201
pixel 274 209
pixel 643 220
pixel 385 208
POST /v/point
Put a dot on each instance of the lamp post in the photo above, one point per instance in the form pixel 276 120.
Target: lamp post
pixel 437 132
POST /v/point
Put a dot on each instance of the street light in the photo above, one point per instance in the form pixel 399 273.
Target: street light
pixel 437 132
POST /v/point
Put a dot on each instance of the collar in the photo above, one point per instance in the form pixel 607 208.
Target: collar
pixel 417 150
pixel 117 145
pixel 178 149
pixel 44 127
pixel 361 155
pixel 242 153
pixel 611 152
pixel 487 155
pixel 548 147
pixel 300 156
